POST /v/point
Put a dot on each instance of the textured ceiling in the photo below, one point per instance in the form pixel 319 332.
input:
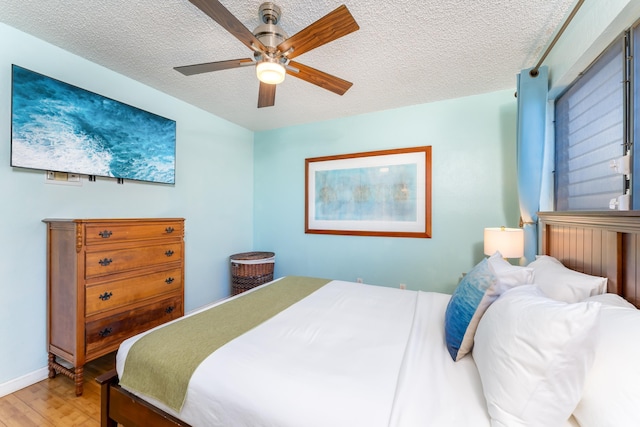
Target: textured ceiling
pixel 405 53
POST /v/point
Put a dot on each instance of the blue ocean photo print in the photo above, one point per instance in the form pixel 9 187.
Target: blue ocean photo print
pixel 59 127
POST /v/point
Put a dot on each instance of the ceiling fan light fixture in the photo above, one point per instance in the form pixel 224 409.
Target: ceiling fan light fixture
pixel 270 72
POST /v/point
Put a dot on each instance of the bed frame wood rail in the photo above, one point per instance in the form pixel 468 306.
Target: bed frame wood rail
pixel 599 243
pixel 119 406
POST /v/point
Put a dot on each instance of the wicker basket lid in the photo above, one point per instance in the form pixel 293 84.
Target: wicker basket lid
pixel 253 257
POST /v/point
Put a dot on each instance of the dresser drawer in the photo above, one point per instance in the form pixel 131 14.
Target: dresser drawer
pixel 109 295
pixel 131 231
pixel 111 331
pixel 101 263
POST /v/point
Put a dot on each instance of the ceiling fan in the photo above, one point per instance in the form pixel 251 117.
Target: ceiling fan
pixel 273 50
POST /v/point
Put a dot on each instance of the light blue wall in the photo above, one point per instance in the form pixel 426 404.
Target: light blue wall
pixel 474 186
pixel 213 191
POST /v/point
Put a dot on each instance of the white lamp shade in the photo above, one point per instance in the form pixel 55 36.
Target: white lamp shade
pixel 508 241
pixel 270 72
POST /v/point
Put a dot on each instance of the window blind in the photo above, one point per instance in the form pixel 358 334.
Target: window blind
pixel 589 127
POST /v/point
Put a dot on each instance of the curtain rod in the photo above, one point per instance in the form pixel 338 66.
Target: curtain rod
pixel 534 70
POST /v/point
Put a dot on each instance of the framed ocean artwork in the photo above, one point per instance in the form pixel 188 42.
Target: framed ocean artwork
pixel 59 127
pixel 376 193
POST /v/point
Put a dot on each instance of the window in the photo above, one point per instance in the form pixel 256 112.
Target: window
pixel 591 121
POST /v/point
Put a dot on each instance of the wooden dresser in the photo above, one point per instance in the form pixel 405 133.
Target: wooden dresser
pixel 109 279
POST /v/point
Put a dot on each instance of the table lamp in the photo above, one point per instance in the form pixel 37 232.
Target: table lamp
pixel 508 241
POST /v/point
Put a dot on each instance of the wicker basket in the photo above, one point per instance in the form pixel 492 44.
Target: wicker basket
pixel 250 269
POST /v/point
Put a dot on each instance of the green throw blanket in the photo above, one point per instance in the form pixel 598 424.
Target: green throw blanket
pixel 160 364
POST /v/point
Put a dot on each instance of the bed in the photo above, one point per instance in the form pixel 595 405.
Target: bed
pixel 397 367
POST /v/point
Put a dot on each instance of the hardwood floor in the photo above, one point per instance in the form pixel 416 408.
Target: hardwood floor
pixel 53 403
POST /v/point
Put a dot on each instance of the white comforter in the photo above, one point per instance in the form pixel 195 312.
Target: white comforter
pixel 347 355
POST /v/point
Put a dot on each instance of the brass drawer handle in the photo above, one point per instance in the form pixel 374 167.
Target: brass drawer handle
pixel 105 332
pixel 106 296
pixel 169 230
pixel 105 234
pixel 169 309
pixel 104 262
pixel 169 280
pixel 169 252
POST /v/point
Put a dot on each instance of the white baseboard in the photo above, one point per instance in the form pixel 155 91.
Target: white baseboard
pixel 24 381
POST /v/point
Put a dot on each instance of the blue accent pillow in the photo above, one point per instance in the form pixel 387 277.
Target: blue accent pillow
pixel 475 293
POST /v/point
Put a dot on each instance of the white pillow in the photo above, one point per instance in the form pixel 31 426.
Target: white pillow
pixel 563 284
pixel 611 396
pixel 510 275
pixel 532 355
pixel 611 299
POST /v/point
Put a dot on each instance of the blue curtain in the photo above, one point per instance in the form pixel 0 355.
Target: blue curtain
pixel 532 113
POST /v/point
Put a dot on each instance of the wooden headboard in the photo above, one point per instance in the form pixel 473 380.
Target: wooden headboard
pixel 599 243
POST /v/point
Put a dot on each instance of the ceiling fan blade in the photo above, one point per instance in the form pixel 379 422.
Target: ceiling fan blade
pixel 216 11
pixel 332 26
pixel 267 95
pixel 319 78
pixel 189 70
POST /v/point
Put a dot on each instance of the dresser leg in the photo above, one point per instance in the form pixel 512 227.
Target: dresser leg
pixel 76 374
pixel 79 378
pixel 52 370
